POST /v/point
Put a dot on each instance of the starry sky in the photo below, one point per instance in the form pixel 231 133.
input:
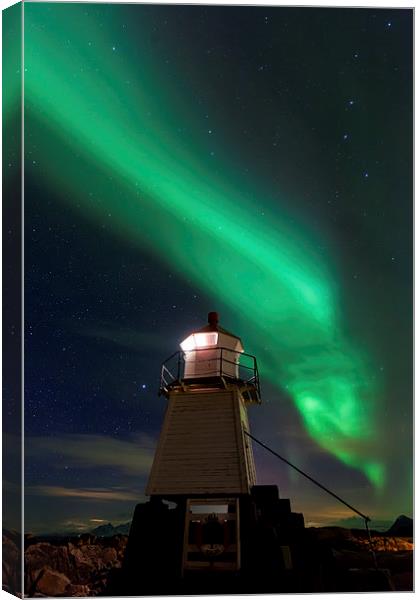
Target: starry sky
pixel 251 160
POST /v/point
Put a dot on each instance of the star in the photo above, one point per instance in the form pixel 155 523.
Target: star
pixel 118 282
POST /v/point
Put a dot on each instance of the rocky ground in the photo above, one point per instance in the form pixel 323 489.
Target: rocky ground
pixel 351 556
pixel 68 566
pixel 81 565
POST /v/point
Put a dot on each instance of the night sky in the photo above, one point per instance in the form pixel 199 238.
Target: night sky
pixel 251 160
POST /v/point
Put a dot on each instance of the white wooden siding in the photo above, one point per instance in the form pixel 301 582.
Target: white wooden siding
pixel 201 448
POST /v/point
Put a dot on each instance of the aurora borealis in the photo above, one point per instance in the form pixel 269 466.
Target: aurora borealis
pixel 240 167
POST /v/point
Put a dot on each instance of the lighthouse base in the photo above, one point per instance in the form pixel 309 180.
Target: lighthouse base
pixel 215 544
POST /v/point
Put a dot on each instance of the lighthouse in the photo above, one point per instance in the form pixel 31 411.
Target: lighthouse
pixel 205 513
pixel 204 458
pixel 203 449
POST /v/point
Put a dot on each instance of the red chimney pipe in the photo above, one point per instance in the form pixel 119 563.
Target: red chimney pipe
pixel 213 319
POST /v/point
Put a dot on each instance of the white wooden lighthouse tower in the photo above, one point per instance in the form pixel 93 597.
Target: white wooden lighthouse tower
pixel 204 457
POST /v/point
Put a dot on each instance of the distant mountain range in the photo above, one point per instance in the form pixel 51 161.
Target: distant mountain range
pixel 402 527
pixel 381 525
pixel 109 530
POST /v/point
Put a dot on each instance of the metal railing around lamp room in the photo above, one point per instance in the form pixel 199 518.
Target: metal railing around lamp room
pixel 202 363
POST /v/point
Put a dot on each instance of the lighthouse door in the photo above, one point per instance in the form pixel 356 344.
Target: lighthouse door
pixel 211 537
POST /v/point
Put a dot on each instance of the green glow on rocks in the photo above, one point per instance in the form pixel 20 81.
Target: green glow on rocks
pixel 107 135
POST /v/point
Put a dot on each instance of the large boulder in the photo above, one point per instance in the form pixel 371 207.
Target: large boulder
pixel 45 555
pixel 50 582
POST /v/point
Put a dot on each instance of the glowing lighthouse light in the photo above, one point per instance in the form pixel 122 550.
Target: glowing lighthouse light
pixel 199 340
pixel 211 352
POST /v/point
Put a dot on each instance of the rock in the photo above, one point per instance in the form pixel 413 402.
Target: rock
pixel 43 554
pixel 92 558
pixel 11 559
pixel 119 542
pixel 87 538
pixel 384 543
pixel 85 561
pixel 51 583
pixel 357 539
pixel 77 590
pixel 109 530
pixel 109 556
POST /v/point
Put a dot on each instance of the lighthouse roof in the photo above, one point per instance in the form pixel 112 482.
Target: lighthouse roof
pixel 211 327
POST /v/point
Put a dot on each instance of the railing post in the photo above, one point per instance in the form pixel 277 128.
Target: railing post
pixel 179 366
pixel 221 361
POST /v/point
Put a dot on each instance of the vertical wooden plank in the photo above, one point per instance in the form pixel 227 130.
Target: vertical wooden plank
pixel 236 399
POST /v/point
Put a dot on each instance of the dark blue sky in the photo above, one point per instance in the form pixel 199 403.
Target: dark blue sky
pixel 102 313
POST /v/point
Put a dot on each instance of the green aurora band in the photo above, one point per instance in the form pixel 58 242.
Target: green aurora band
pixel 107 137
